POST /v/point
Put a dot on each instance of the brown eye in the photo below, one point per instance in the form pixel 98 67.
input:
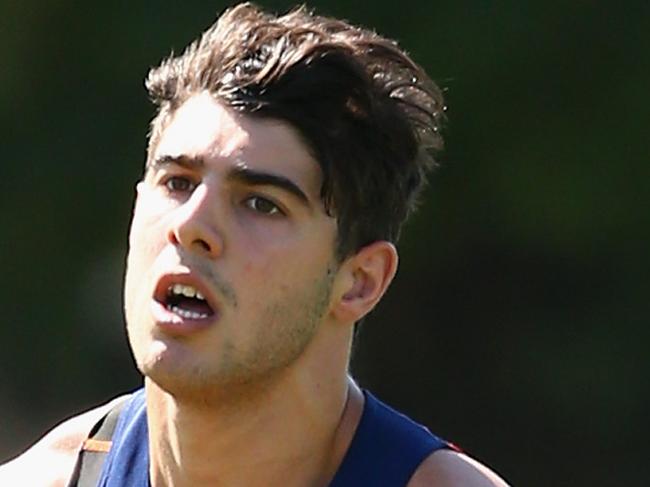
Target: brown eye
pixel 262 205
pixel 178 184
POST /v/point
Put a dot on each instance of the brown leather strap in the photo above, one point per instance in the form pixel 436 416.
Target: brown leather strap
pixel 100 446
pixel 94 449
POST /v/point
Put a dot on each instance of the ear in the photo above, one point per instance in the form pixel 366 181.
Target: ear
pixel 363 279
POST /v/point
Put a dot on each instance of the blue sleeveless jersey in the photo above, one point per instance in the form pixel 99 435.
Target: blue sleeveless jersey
pixel 385 451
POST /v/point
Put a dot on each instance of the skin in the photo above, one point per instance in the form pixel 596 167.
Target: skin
pixel 262 384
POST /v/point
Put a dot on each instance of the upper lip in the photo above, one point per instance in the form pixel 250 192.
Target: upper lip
pixel 165 281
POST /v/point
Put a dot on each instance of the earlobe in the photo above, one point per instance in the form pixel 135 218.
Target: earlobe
pixel 367 275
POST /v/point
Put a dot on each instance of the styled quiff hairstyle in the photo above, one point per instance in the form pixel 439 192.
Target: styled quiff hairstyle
pixel 369 115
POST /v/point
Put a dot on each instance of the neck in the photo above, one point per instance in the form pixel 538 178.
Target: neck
pixel 295 433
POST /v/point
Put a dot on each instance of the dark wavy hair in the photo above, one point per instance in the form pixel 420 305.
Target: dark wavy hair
pixel 370 115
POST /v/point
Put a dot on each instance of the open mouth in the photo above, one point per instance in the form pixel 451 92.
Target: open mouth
pixel 187 302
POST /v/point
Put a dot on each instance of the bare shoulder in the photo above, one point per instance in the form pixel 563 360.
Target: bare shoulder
pixel 447 468
pixel 50 461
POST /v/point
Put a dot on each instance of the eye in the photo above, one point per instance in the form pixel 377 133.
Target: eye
pixel 179 184
pixel 262 205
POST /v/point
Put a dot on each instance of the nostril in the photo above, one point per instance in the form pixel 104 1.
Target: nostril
pixel 195 236
pixel 204 245
pixel 173 238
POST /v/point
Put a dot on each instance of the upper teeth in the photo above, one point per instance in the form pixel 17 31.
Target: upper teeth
pixel 187 291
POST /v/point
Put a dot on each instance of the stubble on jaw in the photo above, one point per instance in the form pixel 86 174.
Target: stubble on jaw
pixel 281 335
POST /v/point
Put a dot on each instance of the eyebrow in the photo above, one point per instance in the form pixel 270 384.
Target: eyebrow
pixel 184 161
pixel 253 177
pixel 238 174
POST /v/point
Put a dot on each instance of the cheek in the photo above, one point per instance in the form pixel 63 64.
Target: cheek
pixel 147 235
pixel 277 274
pixel 146 242
pixel 260 280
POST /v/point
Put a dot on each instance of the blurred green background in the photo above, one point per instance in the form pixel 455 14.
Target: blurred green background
pixel 518 324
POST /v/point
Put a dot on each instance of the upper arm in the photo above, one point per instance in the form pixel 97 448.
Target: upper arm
pixel 50 461
pixel 447 468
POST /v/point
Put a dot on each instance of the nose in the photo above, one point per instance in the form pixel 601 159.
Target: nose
pixel 193 225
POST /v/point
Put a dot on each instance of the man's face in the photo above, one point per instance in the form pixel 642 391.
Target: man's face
pixel 229 208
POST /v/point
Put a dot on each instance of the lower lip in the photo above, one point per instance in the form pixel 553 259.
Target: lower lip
pixel 172 323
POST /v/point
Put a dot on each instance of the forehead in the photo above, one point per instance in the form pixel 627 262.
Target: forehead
pixel 204 128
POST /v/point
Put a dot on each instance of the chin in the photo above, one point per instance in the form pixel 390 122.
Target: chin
pixel 172 379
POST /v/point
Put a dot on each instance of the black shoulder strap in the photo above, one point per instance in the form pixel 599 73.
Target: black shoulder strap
pixel 95 448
